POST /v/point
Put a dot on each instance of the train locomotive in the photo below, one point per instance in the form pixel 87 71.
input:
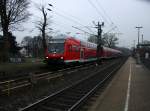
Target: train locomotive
pixel 69 50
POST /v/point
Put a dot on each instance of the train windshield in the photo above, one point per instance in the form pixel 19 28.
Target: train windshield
pixel 56 46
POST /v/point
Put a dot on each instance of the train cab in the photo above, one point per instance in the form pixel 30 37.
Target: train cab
pixel 63 51
pixel 55 51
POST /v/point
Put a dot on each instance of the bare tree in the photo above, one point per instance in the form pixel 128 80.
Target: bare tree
pixel 12 13
pixel 92 38
pixel 110 40
pixel 42 24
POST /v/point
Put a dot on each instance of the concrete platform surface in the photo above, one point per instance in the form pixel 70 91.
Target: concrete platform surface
pixel 129 90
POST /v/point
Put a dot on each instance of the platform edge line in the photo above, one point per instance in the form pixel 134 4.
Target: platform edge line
pixel 128 91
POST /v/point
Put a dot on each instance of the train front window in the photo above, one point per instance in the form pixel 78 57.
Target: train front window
pixel 56 48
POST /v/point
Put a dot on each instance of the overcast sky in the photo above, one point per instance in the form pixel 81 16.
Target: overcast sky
pixel 125 14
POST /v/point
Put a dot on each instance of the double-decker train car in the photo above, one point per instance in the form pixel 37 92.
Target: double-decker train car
pixel 109 53
pixel 71 50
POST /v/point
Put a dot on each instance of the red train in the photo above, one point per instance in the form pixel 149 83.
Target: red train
pixel 70 50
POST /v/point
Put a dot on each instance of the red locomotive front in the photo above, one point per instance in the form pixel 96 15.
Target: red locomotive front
pixel 55 51
pixel 63 50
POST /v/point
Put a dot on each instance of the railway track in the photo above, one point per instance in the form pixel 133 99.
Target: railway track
pixel 20 82
pixel 72 97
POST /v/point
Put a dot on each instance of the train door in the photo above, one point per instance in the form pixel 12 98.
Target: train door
pixel 69 52
pixel 82 54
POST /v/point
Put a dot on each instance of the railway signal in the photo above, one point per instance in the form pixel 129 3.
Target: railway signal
pixel 99 38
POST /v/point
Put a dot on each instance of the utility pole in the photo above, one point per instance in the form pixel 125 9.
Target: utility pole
pixel 138 28
pixel 138 53
pixel 134 43
pixel 142 39
pixel 99 39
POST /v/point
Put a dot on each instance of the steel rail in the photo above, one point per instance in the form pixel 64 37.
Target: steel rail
pixel 25 81
pixel 75 106
pixel 76 97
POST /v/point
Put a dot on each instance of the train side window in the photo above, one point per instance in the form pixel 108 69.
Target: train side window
pixel 73 48
pixel 81 53
pixel 77 49
pixel 70 48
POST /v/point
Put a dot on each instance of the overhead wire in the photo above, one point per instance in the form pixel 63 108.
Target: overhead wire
pixel 104 12
pixel 102 8
pixel 61 25
pixel 97 10
pixel 107 18
pixel 65 17
pixel 70 19
pixel 82 30
pixel 71 16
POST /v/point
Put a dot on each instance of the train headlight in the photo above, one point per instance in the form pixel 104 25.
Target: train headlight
pixel 46 57
pixel 61 57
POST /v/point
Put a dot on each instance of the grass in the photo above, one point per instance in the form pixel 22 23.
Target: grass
pixel 30 65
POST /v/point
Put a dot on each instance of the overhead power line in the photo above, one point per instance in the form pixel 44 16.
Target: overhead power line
pixel 65 17
pixel 72 20
pixel 97 10
pixel 99 4
pixel 61 25
pixel 107 18
pixel 69 17
pixel 82 30
pixel 90 30
pixel 75 18
pixel 110 30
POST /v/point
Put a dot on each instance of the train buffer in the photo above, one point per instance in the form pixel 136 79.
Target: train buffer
pixel 129 90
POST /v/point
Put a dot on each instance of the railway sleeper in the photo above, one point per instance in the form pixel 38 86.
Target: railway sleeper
pixel 79 89
pixel 59 106
pixel 61 99
pixel 58 103
pixel 75 94
pixel 83 90
pixel 45 108
pixel 71 97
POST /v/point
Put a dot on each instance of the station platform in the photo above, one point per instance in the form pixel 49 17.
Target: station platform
pixel 129 90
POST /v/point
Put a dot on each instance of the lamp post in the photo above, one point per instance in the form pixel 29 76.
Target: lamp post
pixel 138 28
pixel 138 51
pixel 142 39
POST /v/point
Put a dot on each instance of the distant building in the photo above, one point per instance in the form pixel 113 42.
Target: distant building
pixel 25 53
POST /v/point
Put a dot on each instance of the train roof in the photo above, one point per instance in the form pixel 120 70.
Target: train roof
pixel 61 38
pixel 110 49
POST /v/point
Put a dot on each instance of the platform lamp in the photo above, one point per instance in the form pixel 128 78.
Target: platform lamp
pixel 138 28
